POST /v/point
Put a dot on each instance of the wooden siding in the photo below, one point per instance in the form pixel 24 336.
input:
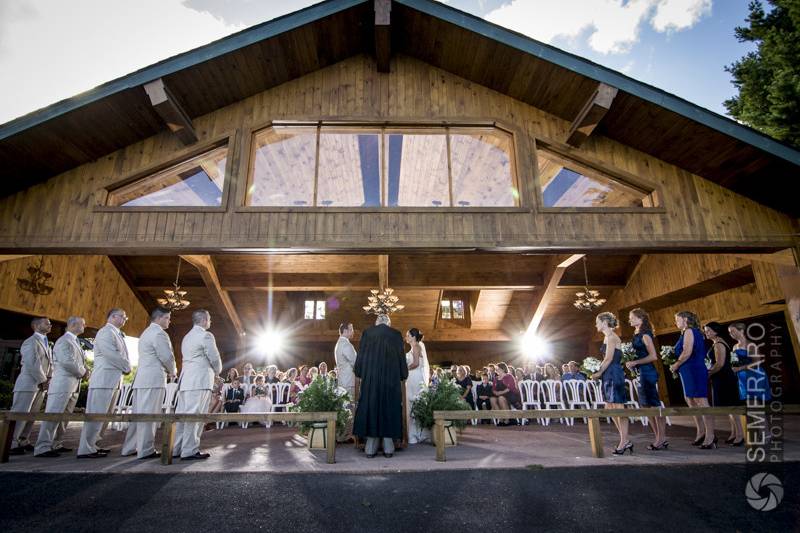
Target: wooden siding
pixel 60 215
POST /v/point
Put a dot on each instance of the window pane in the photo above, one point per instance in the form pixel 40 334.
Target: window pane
pixel 320 309
pixel 195 182
pixel 417 169
pixel 349 168
pixel 446 309
pixel 282 167
pixel 458 309
pixel 482 171
pixel 570 187
pixel 309 314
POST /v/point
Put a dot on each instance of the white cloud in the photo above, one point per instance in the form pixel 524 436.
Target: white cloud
pixel 51 49
pixel 679 15
pixel 610 26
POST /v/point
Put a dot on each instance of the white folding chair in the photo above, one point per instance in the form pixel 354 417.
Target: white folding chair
pixel 474 392
pixel 577 395
pixel 595 396
pixel 632 402
pixel 280 391
pixel 124 405
pixel 529 390
pixel 223 391
pixel 552 398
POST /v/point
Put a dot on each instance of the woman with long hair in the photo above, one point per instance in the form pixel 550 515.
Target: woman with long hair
pixel 419 374
pixel 644 344
pixel 694 376
pixel 724 385
pixel 505 393
pixel 613 377
pixel 753 381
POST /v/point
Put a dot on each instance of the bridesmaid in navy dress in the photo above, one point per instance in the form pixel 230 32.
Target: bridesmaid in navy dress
pixel 753 381
pixel 724 385
pixel 691 365
pixel 613 377
pixel 645 348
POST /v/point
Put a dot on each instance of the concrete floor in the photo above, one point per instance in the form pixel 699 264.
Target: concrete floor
pixel 280 450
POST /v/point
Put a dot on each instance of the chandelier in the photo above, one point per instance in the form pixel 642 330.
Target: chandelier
pixel 588 299
pixel 174 300
pixel 382 303
pixel 35 282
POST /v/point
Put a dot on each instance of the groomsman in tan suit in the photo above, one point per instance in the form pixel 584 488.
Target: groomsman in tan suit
pixel 69 367
pixel 201 362
pixel 32 382
pixel 110 364
pixel 156 364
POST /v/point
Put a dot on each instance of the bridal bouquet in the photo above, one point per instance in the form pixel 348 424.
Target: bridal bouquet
pixel 668 358
pixel 590 365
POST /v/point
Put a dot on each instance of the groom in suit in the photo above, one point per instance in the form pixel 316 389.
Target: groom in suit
pixel 32 382
pixel 381 366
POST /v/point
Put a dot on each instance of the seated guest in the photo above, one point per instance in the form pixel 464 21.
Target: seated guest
pixel 323 369
pixel 295 387
pixel 313 373
pixel 519 375
pixel 492 372
pixel 436 377
pixel 234 397
pixel 302 376
pixel 259 401
pixel 272 374
pixel 471 374
pixel 248 376
pixel 484 393
pixel 332 377
pixel 216 396
pixel 463 381
pixel 564 369
pixel 551 372
pixel 573 372
pixel 505 393
pixel 231 375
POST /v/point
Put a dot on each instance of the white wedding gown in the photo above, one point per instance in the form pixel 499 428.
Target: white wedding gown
pixel 418 379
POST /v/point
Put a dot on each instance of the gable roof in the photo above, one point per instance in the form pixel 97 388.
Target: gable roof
pixel 116 114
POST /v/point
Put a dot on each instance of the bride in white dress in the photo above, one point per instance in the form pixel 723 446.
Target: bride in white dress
pixel 419 374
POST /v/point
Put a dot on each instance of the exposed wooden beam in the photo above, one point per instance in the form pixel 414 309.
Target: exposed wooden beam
pixel 591 114
pixel 130 280
pixel 383 34
pixel 171 111
pixel 383 271
pixel 556 267
pixel 11 257
pixel 440 335
pixel 222 300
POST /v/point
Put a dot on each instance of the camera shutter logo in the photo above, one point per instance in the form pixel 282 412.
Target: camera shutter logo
pixel 764 492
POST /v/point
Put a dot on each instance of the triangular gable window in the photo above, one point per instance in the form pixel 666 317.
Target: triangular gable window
pixel 196 182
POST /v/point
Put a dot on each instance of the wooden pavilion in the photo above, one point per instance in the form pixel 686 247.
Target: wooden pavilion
pixel 361 144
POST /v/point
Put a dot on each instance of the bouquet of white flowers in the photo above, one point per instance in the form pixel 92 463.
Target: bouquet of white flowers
pixel 628 354
pixel 590 365
pixel 734 359
pixel 709 363
pixel 668 358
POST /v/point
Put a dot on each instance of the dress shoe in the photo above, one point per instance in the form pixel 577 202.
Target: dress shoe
pixel 196 457
pixel 51 453
pixel 17 451
pixel 154 455
pixel 28 448
pixel 63 449
pixel 388 455
pixel 370 456
pixel 95 455
pixel 103 450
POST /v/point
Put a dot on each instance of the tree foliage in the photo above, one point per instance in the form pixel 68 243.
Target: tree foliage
pixel 768 79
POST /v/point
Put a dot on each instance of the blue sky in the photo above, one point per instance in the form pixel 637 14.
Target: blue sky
pixel 54 49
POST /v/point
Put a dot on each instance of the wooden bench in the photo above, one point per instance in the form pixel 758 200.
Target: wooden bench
pixel 592 415
pixel 8 421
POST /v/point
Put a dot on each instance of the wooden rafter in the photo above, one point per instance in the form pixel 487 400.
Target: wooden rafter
pixel 591 114
pixel 130 280
pixel 222 300
pixel 171 111
pixel 383 34
pixel 541 300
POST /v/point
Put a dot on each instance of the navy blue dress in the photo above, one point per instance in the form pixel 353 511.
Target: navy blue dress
pixel 753 382
pixel 613 378
pixel 648 374
pixel 724 385
pixel 694 374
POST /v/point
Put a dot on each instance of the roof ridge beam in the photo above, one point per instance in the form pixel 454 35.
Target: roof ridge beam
pixel 591 114
pixel 383 34
pixel 170 110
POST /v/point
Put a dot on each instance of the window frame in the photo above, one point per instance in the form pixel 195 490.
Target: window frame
pixel 525 201
pixel 316 302
pixel 592 168
pixel 230 139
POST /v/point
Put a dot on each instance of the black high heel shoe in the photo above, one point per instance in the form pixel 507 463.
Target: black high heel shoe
pixel 621 451
pixel 730 440
pixel 699 440
pixel 710 446
pixel 737 443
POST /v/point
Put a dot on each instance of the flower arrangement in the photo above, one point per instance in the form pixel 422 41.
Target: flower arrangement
pixel 709 363
pixel 668 358
pixel 591 365
pixel 323 395
pixel 734 358
pixel 446 396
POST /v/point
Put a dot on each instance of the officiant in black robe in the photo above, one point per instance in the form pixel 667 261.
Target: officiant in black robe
pixel 381 366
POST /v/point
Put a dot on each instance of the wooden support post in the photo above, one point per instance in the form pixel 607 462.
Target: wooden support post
pixel 439 429
pixel 595 437
pixel 331 444
pixel 6 434
pixel 168 428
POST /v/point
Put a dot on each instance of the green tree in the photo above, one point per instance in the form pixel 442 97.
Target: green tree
pixel 768 79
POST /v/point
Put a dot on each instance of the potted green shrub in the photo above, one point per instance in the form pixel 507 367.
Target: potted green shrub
pixel 322 395
pixel 446 396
